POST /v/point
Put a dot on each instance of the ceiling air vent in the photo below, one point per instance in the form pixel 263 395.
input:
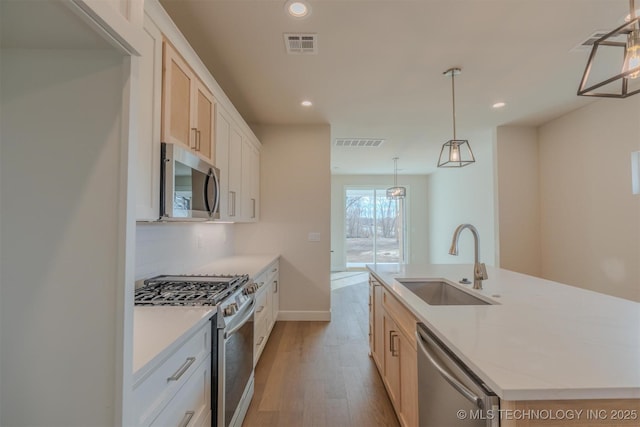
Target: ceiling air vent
pixel 586 44
pixel 301 44
pixel 358 142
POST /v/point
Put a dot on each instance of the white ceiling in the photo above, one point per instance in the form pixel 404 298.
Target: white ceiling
pixel 378 71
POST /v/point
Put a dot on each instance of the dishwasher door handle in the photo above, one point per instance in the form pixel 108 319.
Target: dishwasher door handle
pixel 448 376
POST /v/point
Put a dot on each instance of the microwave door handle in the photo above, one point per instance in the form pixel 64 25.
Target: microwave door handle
pixel 216 188
pixel 448 376
pixel 206 191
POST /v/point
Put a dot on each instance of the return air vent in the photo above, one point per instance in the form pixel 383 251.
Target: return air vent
pixel 358 142
pixel 301 44
pixel 586 44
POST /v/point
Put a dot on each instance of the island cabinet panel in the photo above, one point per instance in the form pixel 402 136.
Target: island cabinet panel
pixel 393 348
pixel 376 326
pixel 583 413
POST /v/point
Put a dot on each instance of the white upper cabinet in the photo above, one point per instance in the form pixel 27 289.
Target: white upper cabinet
pixel 181 103
pixel 148 170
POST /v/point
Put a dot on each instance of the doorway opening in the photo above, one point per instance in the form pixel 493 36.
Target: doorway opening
pixel 375 227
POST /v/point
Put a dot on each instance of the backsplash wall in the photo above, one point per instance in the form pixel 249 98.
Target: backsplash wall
pixel 180 248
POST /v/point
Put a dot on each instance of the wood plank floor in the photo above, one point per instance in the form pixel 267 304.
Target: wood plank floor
pixel 320 373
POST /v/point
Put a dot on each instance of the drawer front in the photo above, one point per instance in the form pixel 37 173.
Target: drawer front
pixel 259 340
pixel 153 393
pixel 192 403
pixel 273 271
pixel 262 303
pixel 403 317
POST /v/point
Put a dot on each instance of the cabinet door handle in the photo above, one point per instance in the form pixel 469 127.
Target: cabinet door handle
pixel 182 369
pixel 195 139
pixel 186 419
pixel 274 270
pixel 392 347
pixel 275 287
pixel 260 309
pixel 232 205
pixel 260 341
pixel 198 138
pixel 253 204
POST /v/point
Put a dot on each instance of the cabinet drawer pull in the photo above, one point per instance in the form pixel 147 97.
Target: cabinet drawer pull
pixel 180 372
pixel 260 341
pixel 275 287
pixel 186 419
pixel 260 309
pixel 274 270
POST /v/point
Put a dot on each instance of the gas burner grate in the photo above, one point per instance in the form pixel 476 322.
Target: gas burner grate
pixel 187 290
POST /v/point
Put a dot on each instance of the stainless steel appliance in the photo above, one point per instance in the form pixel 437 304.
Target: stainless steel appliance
pixel 449 393
pixel 232 345
pixel 189 186
pixel 235 358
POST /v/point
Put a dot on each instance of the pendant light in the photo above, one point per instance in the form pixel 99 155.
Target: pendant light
pixel 626 40
pixel 455 153
pixel 396 192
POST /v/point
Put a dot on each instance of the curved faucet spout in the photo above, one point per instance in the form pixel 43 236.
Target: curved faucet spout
pixel 479 269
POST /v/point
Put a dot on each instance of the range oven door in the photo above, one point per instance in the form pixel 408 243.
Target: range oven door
pixel 190 187
pixel 235 364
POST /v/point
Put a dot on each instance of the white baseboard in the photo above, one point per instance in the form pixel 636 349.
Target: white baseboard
pixel 304 316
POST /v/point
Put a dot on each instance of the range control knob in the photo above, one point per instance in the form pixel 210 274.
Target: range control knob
pixel 230 309
pixel 250 289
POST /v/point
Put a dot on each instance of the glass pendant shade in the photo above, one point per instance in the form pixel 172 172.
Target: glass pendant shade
pixel 456 153
pixel 615 79
pixel 396 192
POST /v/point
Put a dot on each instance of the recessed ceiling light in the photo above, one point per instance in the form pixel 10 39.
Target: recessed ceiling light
pixel 306 103
pixel 298 9
pixel 498 105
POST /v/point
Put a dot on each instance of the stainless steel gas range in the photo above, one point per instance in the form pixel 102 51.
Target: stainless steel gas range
pixel 232 346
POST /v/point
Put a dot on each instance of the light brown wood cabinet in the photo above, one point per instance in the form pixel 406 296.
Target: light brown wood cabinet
pixel 188 107
pixel 393 348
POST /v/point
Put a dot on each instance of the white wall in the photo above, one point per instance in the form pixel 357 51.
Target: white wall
pixel 463 195
pixel 590 219
pixel 295 192
pixel 518 199
pixel 180 248
pixel 416 203
pixel 61 236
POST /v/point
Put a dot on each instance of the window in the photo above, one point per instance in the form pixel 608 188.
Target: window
pixel 374 227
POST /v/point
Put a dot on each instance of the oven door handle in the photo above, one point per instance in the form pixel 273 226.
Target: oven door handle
pixel 240 324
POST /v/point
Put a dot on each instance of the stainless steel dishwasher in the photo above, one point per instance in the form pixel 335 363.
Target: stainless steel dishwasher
pixel 449 394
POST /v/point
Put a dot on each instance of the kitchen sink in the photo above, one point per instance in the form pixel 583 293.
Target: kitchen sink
pixel 436 292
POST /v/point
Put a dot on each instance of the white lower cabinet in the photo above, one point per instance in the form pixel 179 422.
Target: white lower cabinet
pixel 178 388
pixel 267 304
pixel 191 406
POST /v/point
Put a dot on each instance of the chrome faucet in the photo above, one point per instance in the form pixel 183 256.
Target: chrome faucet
pixel 479 269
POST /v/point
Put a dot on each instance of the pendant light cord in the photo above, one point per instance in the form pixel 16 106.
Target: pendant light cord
pixel 453 96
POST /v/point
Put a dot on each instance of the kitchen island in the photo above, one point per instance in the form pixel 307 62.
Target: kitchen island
pixel 538 343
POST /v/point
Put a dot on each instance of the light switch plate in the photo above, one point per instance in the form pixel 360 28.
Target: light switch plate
pixel 314 237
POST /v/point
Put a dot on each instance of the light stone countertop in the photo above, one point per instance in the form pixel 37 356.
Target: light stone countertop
pixel 158 331
pixel 542 340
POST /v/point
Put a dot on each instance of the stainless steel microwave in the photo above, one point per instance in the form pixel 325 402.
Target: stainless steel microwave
pixel 189 186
